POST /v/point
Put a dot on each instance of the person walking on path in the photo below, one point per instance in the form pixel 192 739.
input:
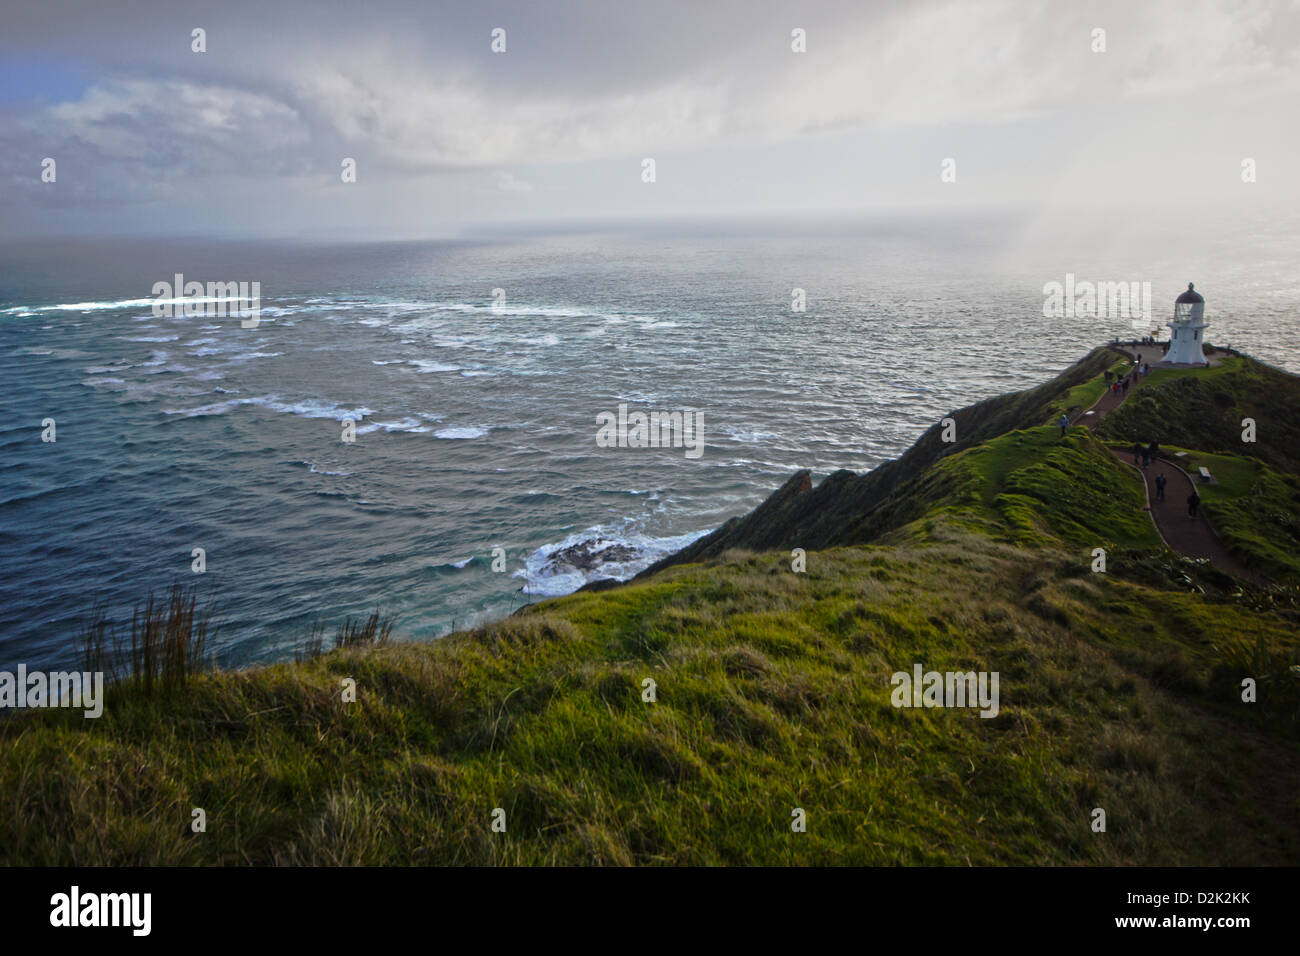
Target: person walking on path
pixel 1161 481
pixel 1193 502
pixel 1146 456
pixel 1137 453
pixel 1064 423
pixel 1126 381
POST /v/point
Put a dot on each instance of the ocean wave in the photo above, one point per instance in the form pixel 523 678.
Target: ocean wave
pixel 115 304
pixel 598 553
pixel 561 312
pixel 476 431
pixel 311 467
pixel 148 338
pixel 747 436
pixel 105 382
pixel 305 409
pixel 414 425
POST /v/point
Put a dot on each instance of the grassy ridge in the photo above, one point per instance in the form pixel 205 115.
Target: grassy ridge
pixel 773 693
pixel 1204 409
pixel 1035 488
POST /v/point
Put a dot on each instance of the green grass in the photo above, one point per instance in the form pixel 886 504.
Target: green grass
pixel 1255 509
pixel 773 693
pixel 1037 488
pixel 1083 396
pixel 1204 409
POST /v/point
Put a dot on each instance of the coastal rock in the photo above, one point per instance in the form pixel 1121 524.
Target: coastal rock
pixel 589 555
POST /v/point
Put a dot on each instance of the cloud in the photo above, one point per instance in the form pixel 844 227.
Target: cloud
pixel 413 91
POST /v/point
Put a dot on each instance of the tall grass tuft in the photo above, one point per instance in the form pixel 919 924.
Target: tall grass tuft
pixel 314 645
pixel 371 631
pixel 165 646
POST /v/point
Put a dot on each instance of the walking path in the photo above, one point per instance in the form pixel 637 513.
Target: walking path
pixel 1192 537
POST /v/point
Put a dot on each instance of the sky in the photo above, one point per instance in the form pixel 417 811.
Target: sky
pixel 1033 106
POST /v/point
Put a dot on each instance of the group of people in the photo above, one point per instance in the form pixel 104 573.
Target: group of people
pixel 1143 456
pixel 1119 384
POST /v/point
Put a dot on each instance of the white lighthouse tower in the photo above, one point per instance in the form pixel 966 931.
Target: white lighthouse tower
pixel 1186 328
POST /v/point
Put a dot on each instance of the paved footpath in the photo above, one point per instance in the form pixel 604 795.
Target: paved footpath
pixel 1192 537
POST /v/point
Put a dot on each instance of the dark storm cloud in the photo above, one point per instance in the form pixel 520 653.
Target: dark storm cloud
pixel 438 122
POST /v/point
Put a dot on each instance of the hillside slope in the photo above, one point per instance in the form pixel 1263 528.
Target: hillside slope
pixel 773 693
pixel 1120 689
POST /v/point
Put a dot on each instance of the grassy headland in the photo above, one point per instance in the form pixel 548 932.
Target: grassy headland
pixel 1119 690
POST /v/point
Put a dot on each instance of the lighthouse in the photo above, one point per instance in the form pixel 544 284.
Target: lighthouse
pixel 1186 328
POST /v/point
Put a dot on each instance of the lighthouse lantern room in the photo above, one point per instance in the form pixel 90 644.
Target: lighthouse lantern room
pixel 1187 330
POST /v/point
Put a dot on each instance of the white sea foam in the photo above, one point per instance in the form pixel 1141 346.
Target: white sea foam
pixel 747 435
pixel 105 382
pixel 549 575
pixel 120 304
pixel 306 409
pixel 311 466
pixel 464 432
pixel 414 425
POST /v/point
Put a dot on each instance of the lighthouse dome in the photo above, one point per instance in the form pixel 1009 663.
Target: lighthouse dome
pixel 1191 295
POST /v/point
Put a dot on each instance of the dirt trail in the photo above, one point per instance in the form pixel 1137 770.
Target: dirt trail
pixel 1192 537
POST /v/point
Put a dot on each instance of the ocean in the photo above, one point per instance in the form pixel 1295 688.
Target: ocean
pixel 476 411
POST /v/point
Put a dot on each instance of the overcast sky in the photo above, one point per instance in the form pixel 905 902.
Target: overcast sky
pixel 248 137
